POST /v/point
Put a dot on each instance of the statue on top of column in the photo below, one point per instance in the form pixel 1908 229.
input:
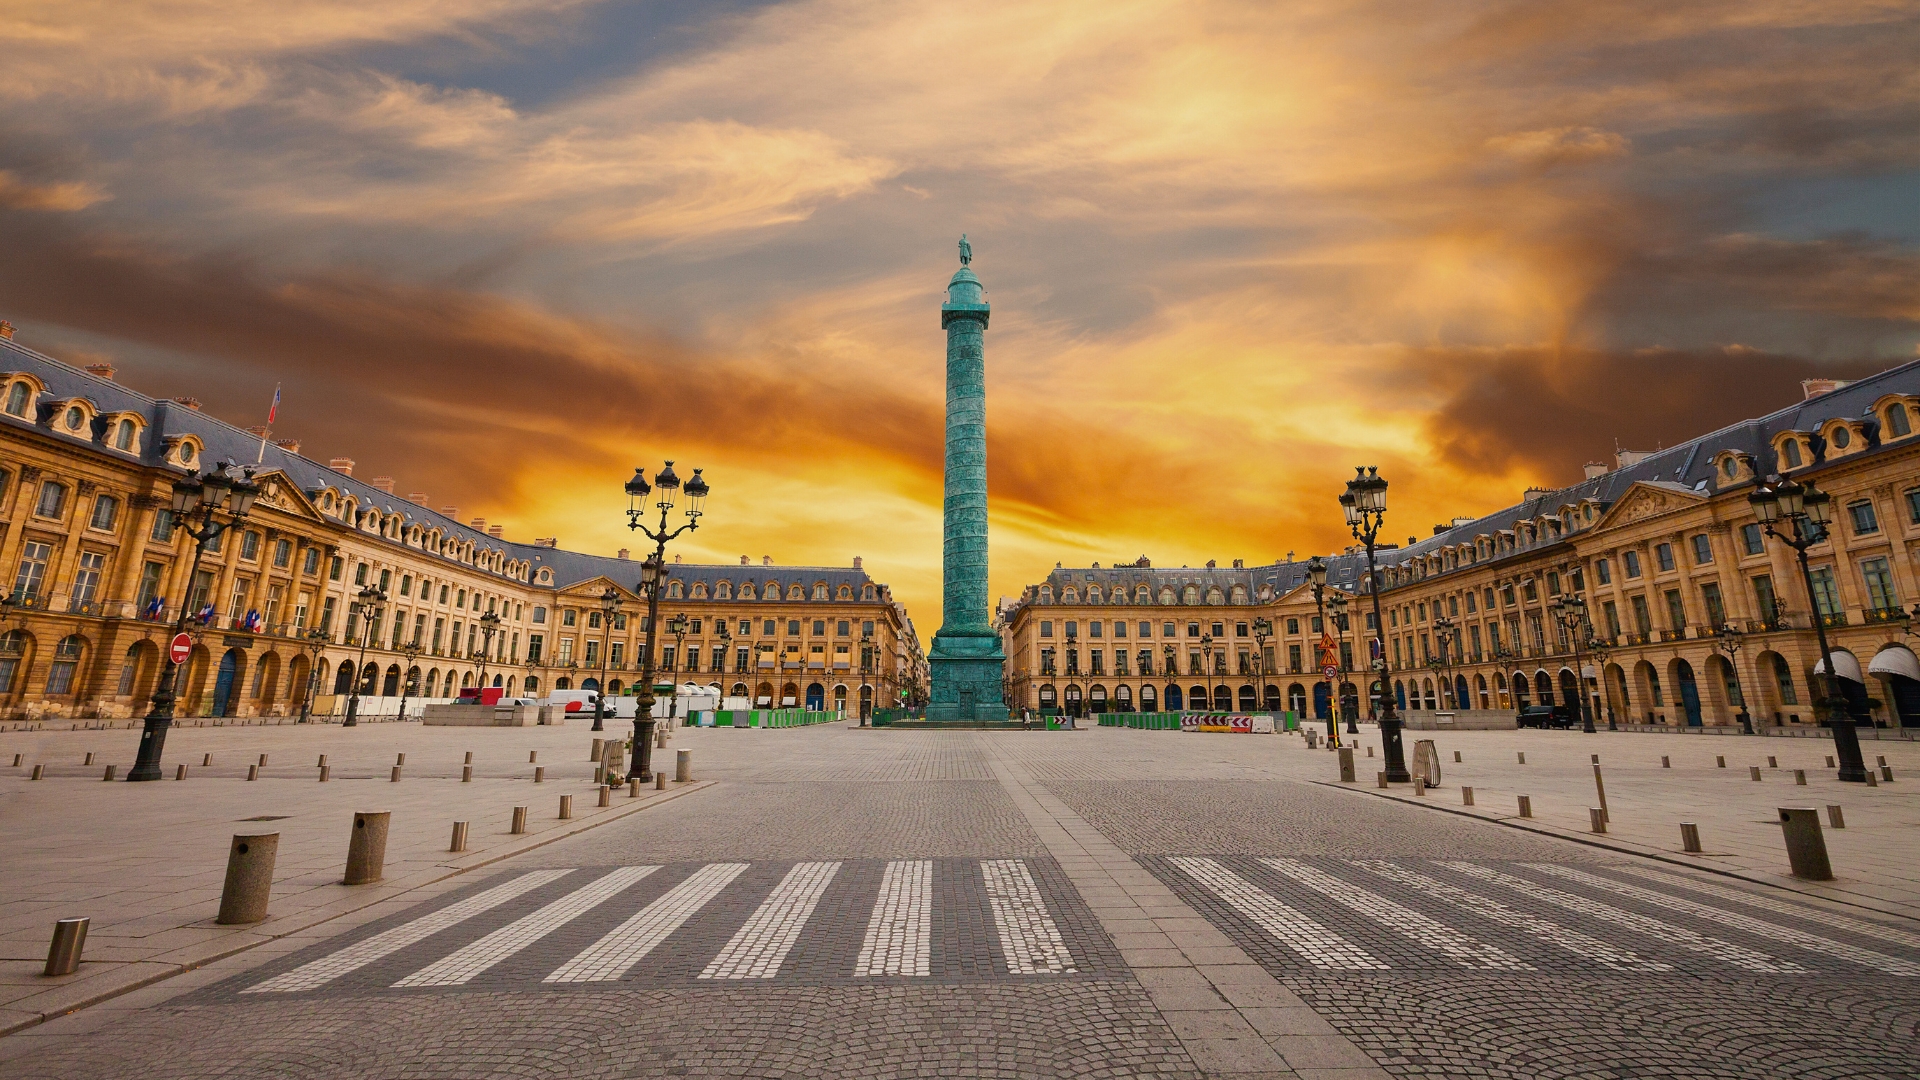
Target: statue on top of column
pixel 966 250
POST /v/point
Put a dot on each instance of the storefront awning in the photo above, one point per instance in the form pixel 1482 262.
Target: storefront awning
pixel 1844 665
pixel 1895 660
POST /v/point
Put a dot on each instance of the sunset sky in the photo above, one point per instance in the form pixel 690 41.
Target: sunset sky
pixel 505 250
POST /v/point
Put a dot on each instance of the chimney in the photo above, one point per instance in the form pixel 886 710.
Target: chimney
pixel 1440 529
pixel 451 511
pixel 190 402
pixel 1239 564
pixel 341 465
pixel 676 558
pixel 744 561
pixel 6 330
pixel 1594 469
pixel 104 371
pixel 417 497
pixel 1533 493
pixel 856 562
pixel 1459 521
pixel 622 554
pixel 1211 564
pixel 258 431
pixel 291 446
pixel 1809 388
pixel 546 541
pixel 1624 458
pixel 496 531
pixel 766 560
pixel 478 523
pixel 384 483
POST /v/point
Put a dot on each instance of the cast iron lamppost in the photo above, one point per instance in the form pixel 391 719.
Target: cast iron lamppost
pixel 367 606
pixel 609 604
pixel 408 675
pixel 677 626
pixel 1337 605
pixel 1570 611
pixel 489 626
pixel 1365 505
pixel 311 643
pixel 1206 666
pixel 1804 512
pixel 866 668
pixel 1262 633
pixel 668 487
pixel 1317 575
pixel 1727 640
pixel 1444 631
pixel 198 503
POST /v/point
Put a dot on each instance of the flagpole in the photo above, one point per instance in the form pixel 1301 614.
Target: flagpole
pixel 272 411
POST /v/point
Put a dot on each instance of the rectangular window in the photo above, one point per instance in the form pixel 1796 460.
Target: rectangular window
pixel 282 553
pixel 1826 597
pixel 820 626
pixel 1676 610
pixel 250 545
pixel 1471 606
pixel 360 573
pixel 1865 523
pixel 1072 628
pixel 1702 549
pixel 593 652
pixel 301 606
pixel 237 602
pixel 535 643
pixel 86 578
pixel 1611 613
pixel 334 568
pixel 793 627
pixel 1913 507
pixel 162 527
pixel 33 569
pixel 310 563
pixel 1604 571
pixel 566 653
pixel 106 508
pixel 150 575
pixel 1553 584
pixel 1663 556
pixel 1716 606
pixel 1119 628
pixel 1046 628
pixel 1763 596
pixel 326 615
pixel 1293 658
pixel 1396 654
pixel 1879 581
pixel 386 578
pixel 1473 635
pixel 53 499
pixel 1752 540
pixel 1631 560
pixel 1642 618
pixel 1095 627
pixel 840 629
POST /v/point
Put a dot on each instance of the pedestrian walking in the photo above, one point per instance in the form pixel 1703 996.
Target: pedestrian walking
pixel 1026 719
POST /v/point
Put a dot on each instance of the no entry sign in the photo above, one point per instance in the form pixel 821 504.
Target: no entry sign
pixel 180 648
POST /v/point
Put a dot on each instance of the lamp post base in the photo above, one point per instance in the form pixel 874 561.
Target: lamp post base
pixel 1846 749
pixel 1394 752
pixel 643 745
pixel 353 713
pixel 153 739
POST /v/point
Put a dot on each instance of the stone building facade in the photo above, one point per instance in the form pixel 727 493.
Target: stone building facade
pixel 97 573
pixel 1698 613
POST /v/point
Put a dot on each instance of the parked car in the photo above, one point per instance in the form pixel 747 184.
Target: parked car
pixel 1545 716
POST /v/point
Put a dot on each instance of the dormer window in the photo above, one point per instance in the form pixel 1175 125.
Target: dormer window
pixel 19 397
pixel 866 592
pixel 1841 438
pixel 1790 453
pixel 123 433
pixel 75 417
pixel 1899 425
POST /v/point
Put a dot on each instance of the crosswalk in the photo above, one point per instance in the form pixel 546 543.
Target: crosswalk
pixel 1383 915
pixel 856 920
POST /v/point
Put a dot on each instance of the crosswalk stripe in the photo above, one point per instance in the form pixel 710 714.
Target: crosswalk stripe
pixel 1750 959
pixel 757 948
pixel 465 964
pixel 1768 903
pixel 1592 948
pixel 319 972
pixel 1402 920
pixel 1028 937
pixel 1758 927
pixel 627 944
pixel 899 937
pixel 1315 943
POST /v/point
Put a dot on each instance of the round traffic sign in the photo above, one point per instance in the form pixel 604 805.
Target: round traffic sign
pixel 180 648
pixel 1329 671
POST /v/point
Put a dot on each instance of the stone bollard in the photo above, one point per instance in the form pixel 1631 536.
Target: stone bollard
pixel 1806 848
pixel 109 776
pixel 38 772
pixel 1881 761
pixel 326 773
pixel 89 760
pixel 1834 817
pixel 683 767
pixel 253 772
pixel 263 761
pixel 1830 763
pixel 660 780
pixel 1799 778
pixel 206 762
pixel 1719 762
pixel 606 795
pixel 459 837
pixel 1346 764
pixel 1596 759
pixel 598 746
pixel 367 847
pixel 466 774
pixel 1456 757
pixel 1596 819
pixel 322 761
pixel 1380 778
pixel 1886 772
pixel 533 756
pixel 566 807
pixel 1526 806
pixel 69 939
pixel 180 771
pixel 249 879
pixel 633 787
pixel 539 774
pixel 1523 757
pixel 1772 762
pixel 394 777
pixel 1600 789
pixel 1872 780
pixel 1466 796
pixel 660 743
pixel 469 760
pixel 1753 772
pixel 1369 751
pixel 1664 763
pixel 1420 786
pixel 1690 838
pixel 519 819
pixel 17 759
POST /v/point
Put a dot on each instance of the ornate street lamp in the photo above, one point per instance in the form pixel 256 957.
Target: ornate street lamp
pixel 1317 575
pixel 866 669
pixel 677 626
pixel 489 626
pixel 1727 640
pixel 664 491
pixel 1803 512
pixel 609 605
pixel 1570 611
pixel 1206 665
pixel 199 503
pixel 368 607
pixel 1365 505
pixel 311 643
pixel 408 652
pixel 1262 633
pixel 1337 611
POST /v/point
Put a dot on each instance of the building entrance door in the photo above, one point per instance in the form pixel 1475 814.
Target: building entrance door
pixel 223 683
pixel 1689 693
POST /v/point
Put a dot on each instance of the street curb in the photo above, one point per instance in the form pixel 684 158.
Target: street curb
pixel 1579 838
pixel 115 990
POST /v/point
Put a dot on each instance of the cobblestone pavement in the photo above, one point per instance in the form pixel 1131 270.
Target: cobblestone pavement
pixel 853 903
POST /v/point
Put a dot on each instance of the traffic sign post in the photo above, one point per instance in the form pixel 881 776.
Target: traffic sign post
pixel 180 648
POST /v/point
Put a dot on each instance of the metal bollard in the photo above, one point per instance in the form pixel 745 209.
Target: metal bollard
pixel 180 771
pixel 566 807
pixel 394 777
pixel 1466 796
pixel 683 767
pixel 1690 837
pixel 466 774
pixel 1596 819
pixel 660 780
pixel 519 819
pixel 243 899
pixel 326 771
pixel 206 762
pixel 1526 806
pixel 1834 817
pixel 1664 763
pixel 1806 848
pixel 69 938
pixel 367 847
pixel 1380 778
pixel 1456 757
pixel 1800 778
pixel 1772 762
pixel 109 776
pixel 1523 757
pixel 606 795
pixel 253 772
pixel 1600 789
pixel 1753 772
pixel 1720 762
pixel 540 774
pixel 263 761
pixel 38 771
pixel 89 760
pixel 459 837
pixel 1346 764
pixel 633 787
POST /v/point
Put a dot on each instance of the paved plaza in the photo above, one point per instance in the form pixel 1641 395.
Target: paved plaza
pixel 834 901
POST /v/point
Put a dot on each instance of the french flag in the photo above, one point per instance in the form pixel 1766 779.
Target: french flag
pixel 273 410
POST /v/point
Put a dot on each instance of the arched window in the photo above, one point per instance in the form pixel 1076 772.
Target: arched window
pixel 1166 597
pixel 1094 595
pixel 66 660
pixel 1897 422
pixel 819 591
pixel 795 592
pixel 123 435
pixel 866 592
pixel 723 591
pixel 846 592
pixel 675 590
pixel 746 590
pixel 1214 596
pixel 699 590
pixel 530 685
pixel 1190 594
